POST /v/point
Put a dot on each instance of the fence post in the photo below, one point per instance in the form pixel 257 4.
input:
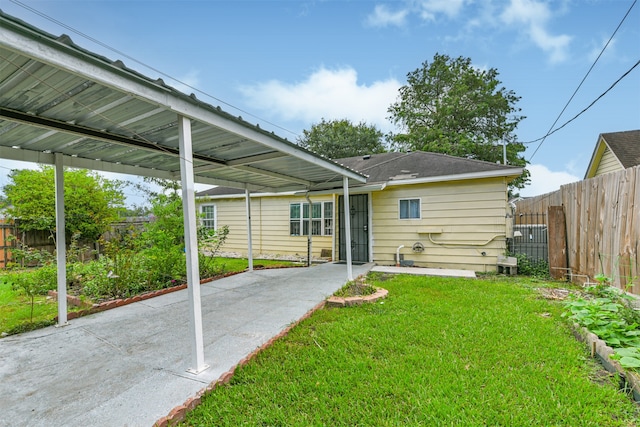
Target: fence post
pixel 557 237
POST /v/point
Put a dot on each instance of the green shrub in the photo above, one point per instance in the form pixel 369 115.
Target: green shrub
pixel 529 267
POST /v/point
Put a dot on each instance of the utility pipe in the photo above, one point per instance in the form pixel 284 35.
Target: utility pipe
pixel 398 255
pixel 454 243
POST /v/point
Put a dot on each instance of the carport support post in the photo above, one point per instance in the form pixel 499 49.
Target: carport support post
pixel 347 227
pixel 247 195
pixel 61 243
pixel 191 244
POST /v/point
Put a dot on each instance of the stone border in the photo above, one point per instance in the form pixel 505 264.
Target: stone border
pixel 178 414
pixel 335 301
pixel 600 349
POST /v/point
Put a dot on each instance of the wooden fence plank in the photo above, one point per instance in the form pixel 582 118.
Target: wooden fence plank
pixel 602 217
pixel 557 238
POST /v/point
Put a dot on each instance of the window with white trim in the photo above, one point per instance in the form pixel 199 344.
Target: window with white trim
pixel 208 216
pixel 318 219
pixel 409 208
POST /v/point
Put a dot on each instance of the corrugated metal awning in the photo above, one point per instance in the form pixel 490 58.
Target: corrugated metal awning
pixel 56 97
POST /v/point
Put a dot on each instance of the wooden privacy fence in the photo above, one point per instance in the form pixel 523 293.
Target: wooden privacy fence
pixel 602 217
pixel 6 229
pixel 44 240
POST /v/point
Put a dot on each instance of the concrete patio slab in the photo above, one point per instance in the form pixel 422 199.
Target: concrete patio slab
pixel 420 271
pixel 128 366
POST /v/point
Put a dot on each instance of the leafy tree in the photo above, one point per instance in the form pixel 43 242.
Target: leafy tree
pixel 91 201
pixel 451 107
pixel 337 139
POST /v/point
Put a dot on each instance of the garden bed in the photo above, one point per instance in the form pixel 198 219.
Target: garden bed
pixel 335 301
pixel 629 380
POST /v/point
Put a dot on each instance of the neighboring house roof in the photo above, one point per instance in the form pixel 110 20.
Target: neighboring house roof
pixel 408 168
pixel 621 149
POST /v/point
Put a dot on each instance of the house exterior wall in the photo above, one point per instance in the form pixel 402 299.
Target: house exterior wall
pixel 608 163
pixel 269 226
pixel 459 221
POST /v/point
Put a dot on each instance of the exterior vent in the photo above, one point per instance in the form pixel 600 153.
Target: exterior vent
pixel 366 157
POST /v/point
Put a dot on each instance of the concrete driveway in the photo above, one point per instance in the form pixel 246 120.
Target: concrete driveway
pixel 128 366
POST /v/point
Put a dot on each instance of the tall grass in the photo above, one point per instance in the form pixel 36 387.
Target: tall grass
pixel 435 352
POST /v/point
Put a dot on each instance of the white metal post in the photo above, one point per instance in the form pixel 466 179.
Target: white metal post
pixel 191 244
pixel 347 227
pixel 61 243
pixel 247 195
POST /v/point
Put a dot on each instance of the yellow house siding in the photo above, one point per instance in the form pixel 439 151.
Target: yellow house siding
pixel 269 226
pixel 608 163
pixel 459 221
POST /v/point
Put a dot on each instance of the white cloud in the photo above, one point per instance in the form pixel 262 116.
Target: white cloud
pixel 597 47
pixel 533 16
pixel 545 181
pixel 328 94
pixel 430 8
pixel 383 17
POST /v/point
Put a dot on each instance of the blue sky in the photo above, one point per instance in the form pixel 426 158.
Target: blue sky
pixel 287 64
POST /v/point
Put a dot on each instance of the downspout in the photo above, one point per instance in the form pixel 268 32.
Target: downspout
pixel 306 196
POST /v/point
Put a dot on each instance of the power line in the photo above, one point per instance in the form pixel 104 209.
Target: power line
pixel 106 46
pixel 584 110
pixel 549 132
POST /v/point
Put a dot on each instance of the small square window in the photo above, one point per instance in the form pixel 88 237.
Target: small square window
pixel 410 209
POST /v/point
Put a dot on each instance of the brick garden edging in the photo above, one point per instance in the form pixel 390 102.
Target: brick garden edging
pixel 600 349
pixel 178 413
pixel 335 301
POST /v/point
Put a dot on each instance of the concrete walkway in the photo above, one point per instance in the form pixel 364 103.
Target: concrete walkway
pixel 128 366
pixel 421 271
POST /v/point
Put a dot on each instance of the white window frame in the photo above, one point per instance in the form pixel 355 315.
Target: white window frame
pixel 306 220
pixel 204 220
pixel 409 199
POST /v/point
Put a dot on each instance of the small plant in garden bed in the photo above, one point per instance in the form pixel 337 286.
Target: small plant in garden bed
pixel 605 312
pixel 357 287
pixel 529 267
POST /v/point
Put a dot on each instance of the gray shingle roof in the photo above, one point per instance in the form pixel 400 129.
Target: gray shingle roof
pixel 625 145
pixel 396 166
pixel 416 164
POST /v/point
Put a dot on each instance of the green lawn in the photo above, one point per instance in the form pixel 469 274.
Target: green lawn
pixel 15 310
pixel 436 352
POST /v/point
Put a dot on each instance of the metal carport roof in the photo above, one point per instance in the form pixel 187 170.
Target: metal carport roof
pixel 56 97
pixel 63 105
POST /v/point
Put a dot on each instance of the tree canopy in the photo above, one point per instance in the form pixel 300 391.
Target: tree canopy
pixel 451 107
pixel 91 201
pixel 338 139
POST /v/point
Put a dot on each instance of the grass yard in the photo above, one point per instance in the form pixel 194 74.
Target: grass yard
pixel 435 352
pixel 15 310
